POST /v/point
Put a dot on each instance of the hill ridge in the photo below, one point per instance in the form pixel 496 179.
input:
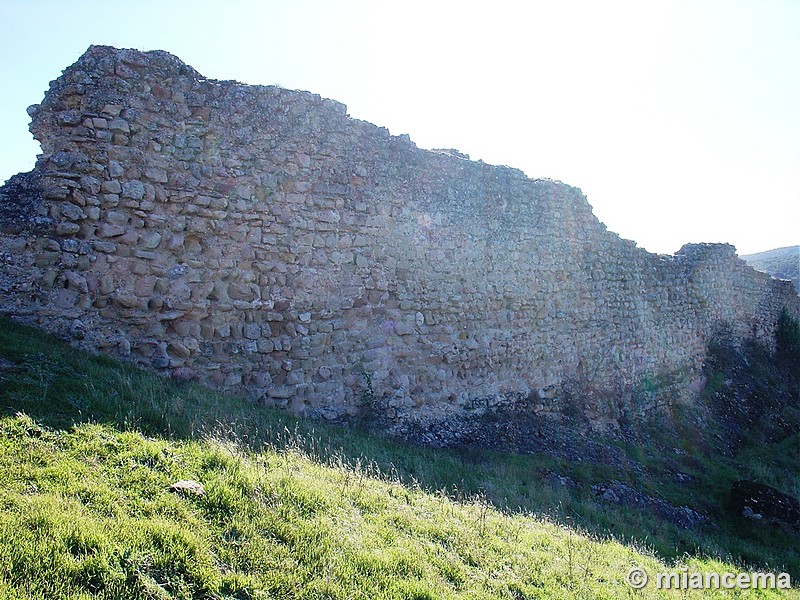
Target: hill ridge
pixel 781 263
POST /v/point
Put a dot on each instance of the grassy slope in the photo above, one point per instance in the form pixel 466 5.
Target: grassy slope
pixel 305 510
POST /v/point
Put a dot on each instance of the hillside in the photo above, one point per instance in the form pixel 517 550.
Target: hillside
pixel 783 263
pixel 297 509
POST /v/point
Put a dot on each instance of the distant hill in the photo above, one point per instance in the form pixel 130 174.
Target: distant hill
pixel 783 263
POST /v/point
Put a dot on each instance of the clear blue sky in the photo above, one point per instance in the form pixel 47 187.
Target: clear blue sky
pixel 680 120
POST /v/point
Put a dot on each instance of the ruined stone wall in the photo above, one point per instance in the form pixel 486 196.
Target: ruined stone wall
pixel 260 238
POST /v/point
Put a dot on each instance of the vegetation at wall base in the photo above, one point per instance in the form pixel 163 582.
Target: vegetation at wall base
pixel 294 509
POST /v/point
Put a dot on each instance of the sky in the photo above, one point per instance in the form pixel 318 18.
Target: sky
pixel 679 120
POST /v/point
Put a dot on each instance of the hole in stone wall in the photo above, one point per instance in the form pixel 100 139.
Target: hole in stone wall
pixel 193 245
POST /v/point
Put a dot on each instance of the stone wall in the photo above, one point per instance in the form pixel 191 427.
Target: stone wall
pixel 259 238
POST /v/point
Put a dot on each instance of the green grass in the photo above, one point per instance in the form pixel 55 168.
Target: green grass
pixel 294 509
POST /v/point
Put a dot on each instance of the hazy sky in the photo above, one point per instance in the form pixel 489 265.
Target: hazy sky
pixel 680 121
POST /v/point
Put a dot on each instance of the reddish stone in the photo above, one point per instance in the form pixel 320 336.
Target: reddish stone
pixel 160 92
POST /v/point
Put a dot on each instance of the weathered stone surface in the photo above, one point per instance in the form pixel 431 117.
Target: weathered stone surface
pixel 280 393
pixel 156 174
pixel 150 239
pixel 621 493
pixel 760 502
pixel 133 189
pixel 259 237
pixel 126 299
pixel 107 230
pixel 188 486
pixel 67 228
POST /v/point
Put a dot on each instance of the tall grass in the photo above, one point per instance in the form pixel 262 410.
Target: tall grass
pixel 294 509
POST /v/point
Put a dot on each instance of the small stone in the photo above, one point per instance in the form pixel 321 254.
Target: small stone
pixel 177 272
pixel 329 216
pixel 77 330
pixel 156 174
pixel 76 281
pixel 281 393
pixel 160 92
pixel 170 315
pixel 106 230
pixel 233 379
pixel 107 247
pixel 184 374
pixel 150 239
pixel 133 189
pixel 69 117
pixel 126 299
pixel 187 486
pixel 179 350
pixel 72 212
pixel 67 228
pixel 117 217
pixel 761 502
pixel 161 362
pixel 111 187
pixel 112 109
pixel 106 284
pixel 110 200
pixel 748 513
pixel 119 125
pixel 115 169
pixel 403 328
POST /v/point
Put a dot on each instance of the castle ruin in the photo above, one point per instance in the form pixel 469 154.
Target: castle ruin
pixel 260 239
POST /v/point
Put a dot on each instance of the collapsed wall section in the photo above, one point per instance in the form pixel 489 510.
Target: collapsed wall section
pixel 259 238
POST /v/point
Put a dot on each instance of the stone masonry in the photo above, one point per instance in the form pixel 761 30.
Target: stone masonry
pixel 258 238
